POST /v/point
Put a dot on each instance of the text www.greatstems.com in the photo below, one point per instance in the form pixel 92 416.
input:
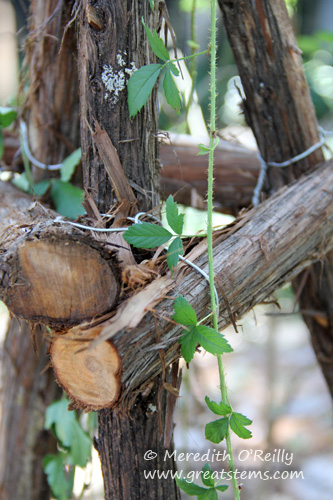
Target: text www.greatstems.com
pixel 224 475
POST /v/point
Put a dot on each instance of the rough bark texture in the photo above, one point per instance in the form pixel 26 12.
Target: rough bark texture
pixel 279 109
pixel 51 113
pixel 111 43
pixel 50 272
pixel 25 395
pixel 184 173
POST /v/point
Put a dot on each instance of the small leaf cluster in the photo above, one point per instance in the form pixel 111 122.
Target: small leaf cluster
pixel 207 478
pixel 7 116
pixel 67 198
pixel 217 430
pixel 142 81
pixel 75 449
pixel 210 339
pixel 146 235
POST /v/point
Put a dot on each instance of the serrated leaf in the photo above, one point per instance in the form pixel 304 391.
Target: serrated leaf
pixel 206 477
pixel 171 92
pixel 61 483
pixel 61 420
pixel 218 408
pixel 41 187
pixel 216 431
pixel 156 44
pixel 147 235
pixel 175 249
pixel 208 495
pixel 80 450
pixel 69 164
pixel 212 340
pixel 191 489
pixel 222 487
pixel 140 86
pixel 184 312
pixel 188 343
pixel 174 69
pixel 7 116
pixel 174 218
pixel 237 422
pixel 67 199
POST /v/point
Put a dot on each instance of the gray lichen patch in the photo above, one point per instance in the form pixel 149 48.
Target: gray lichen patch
pixel 115 79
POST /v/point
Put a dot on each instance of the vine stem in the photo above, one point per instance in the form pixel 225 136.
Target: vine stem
pixel 224 393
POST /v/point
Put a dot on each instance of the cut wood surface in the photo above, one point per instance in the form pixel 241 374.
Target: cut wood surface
pixel 267 247
pixel 50 272
pixel 91 378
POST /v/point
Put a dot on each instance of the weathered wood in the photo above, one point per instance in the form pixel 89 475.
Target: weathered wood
pixel 267 247
pixel 279 109
pixel 51 273
pixel 91 379
pixel 111 43
pixel 184 173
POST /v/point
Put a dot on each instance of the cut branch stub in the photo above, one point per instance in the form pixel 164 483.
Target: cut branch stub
pixel 90 377
pixel 58 279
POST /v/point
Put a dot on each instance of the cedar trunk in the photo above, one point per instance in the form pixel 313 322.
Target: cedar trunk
pixel 51 112
pixel 111 40
pixel 279 109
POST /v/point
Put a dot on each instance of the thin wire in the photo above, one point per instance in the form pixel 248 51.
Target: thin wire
pixel 265 164
pixel 33 160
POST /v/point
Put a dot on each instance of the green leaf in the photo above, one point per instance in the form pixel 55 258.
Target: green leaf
pixel 157 44
pixel 189 488
pixel 175 249
pixel 174 218
pixel 184 312
pixel 174 69
pixel 69 164
pixel 188 343
pixel 80 450
pixel 21 182
pixel 206 477
pixel 204 150
pixel 60 482
pixel 7 116
pixel 147 235
pixel 151 3
pixel 222 487
pixel 67 199
pixel 218 409
pixel 41 187
pixel 212 340
pixel 140 86
pixel 171 92
pixel 208 495
pixel 1 143
pixel 216 431
pixel 237 423
pixel 62 421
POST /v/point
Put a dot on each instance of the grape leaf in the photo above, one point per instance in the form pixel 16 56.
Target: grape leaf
pixel 212 340
pixel 140 86
pixel 157 44
pixel 175 249
pixel 218 409
pixel 175 220
pixel 147 235
pixel 58 418
pixel 217 430
pixel 184 312
pixel 81 445
pixel 237 423
pixel 171 92
pixel 60 482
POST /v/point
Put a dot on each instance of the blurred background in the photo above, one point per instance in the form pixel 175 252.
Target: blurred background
pixel 272 376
